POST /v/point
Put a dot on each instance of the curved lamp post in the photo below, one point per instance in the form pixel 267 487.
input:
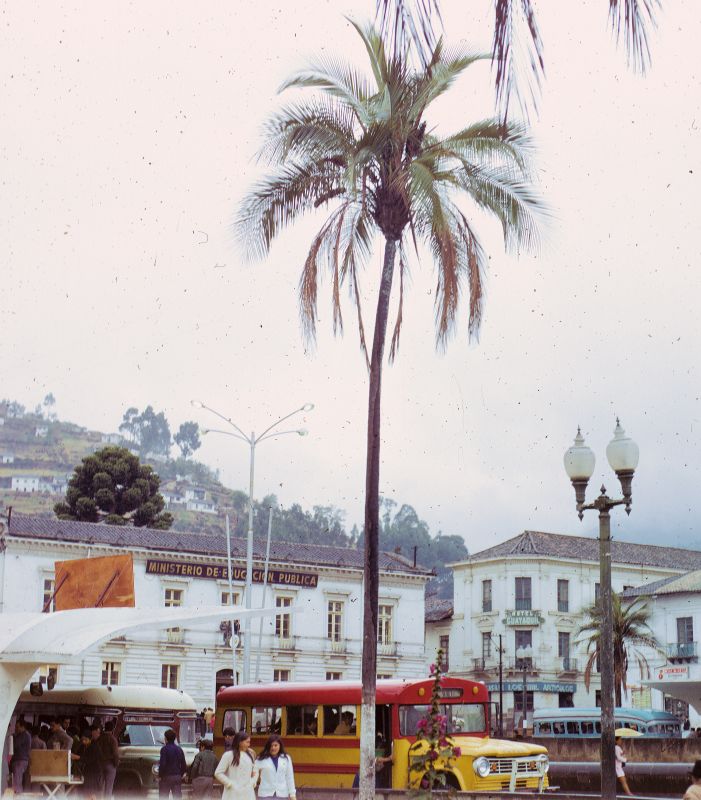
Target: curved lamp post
pixel 251 441
pixel 622 453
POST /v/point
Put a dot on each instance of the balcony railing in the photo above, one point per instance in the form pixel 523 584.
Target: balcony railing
pixel 681 650
pixel 288 643
pixel 174 636
pixel 483 664
pixel 567 664
pixel 336 648
pixel 387 649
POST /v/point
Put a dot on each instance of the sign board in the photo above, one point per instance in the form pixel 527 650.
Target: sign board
pixel 106 581
pixel 516 618
pixel 185 569
pixel 532 686
pixel 673 673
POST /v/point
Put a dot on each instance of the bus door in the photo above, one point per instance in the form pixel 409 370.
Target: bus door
pixel 383 745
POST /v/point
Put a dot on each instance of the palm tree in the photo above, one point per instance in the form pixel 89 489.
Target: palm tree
pixel 631 631
pixel 416 21
pixel 362 149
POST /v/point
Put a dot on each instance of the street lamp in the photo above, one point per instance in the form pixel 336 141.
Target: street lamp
pixel 252 441
pixel 622 453
pixel 524 655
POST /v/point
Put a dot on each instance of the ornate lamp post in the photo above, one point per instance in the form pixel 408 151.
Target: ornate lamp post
pixel 622 453
pixel 251 441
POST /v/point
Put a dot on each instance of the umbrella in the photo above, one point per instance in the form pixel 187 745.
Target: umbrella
pixel 627 733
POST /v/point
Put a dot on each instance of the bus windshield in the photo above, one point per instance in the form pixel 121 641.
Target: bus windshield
pixel 143 735
pixel 462 718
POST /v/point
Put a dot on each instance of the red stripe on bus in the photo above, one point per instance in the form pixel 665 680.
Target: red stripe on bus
pixel 318 769
pixel 322 741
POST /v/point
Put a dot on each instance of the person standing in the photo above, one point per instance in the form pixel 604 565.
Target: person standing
pixel 202 771
pixel 171 768
pixel 110 758
pixel 59 739
pixel 694 791
pixel 37 742
pixel 22 743
pixel 277 777
pixel 237 770
pixel 229 736
pixel 92 762
pixel 620 763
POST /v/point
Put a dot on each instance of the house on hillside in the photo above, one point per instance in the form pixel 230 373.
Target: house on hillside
pixel 7 458
pixel 53 484
pixel 198 499
pixel 41 431
pixel 25 483
pixel 173 495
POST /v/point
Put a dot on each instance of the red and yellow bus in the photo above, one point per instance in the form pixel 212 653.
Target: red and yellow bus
pixel 320 724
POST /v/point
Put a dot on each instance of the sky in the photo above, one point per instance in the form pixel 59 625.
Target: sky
pixel 129 136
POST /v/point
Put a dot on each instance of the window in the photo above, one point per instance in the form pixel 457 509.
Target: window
pixel 486 595
pixel 486 645
pixel 283 620
pixel 563 595
pixel 685 630
pixel 384 625
pixel 523 639
pixel 597 698
pixel 586 727
pixel 281 675
pixel 225 599
pixel 565 700
pixel 334 620
pixel 563 645
pixel 265 720
pixel 339 720
pixel 302 720
pixel 173 598
pixel 523 594
pixel 384 677
pixel 518 701
pixel 444 644
pixel 335 676
pixel 235 718
pixel 48 672
pixel 48 602
pixel 170 676
pixel 460 718
pixel 110 673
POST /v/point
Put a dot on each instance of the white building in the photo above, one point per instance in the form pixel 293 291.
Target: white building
pixel 675 620
pixel 25 483
pixel 529 593
pixel 8 458
pixel 41 431
pixel 324 641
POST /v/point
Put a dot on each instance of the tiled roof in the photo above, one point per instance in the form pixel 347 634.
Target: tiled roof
pixel 131 538
pixel 557 545
pixel 437 609
pixel 690 582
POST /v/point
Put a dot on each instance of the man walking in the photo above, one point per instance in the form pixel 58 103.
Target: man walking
pixel 171 768
pixel 110 758
pixel 20 760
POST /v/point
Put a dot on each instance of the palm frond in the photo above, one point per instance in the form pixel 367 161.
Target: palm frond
pixel 489 142
pixel 515 52
pixel 409 22
pixel 631 20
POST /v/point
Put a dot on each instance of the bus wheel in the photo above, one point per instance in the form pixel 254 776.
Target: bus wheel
pixel 451 783
pixel 129 786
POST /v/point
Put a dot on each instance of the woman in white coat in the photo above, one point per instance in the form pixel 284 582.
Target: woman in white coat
pixel 237 770
pixel 277 778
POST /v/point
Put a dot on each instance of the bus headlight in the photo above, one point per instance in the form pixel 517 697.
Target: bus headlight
pixel 481 766
pixel 543 763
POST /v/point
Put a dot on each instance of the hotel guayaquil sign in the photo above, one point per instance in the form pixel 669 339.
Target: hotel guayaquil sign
pixel 519 618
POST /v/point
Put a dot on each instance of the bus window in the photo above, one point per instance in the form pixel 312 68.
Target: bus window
pixel 187 733
pixel 235 718
pixel 266 720
pixel 559 728
pixel 597 725
pixel 461 717
pixel 301 720
pixel 339 720
pixel 573 727
pixel 545 728
pixel 586 727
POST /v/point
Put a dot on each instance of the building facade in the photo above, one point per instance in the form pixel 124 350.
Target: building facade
pixel 316 591
pixel 521 603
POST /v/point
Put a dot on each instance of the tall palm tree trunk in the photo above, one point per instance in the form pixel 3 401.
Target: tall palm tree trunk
pixel 372 524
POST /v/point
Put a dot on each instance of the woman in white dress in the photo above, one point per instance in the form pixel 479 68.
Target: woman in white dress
pixel 237 770
pixel 277 778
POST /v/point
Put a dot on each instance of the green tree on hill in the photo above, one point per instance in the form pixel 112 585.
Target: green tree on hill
pixel 150 432
pixel 112 486
pixel 188 438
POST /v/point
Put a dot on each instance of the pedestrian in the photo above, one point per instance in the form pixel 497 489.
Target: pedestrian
pixel 59 739
pixel 208 714
pixel 202 771
pixel 694 791
pixel 92 763
pixel 171 768
pixel 620 763
pixel 237 770
pixel 277 778
pixel 22 744
pixel 110 758
pixel 37 742
pixel 229 735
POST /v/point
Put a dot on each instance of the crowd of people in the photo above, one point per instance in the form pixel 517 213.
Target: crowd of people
pixel 239 770
pixel 94 753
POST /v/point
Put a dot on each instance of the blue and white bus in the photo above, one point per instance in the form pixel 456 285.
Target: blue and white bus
pixel 576 722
